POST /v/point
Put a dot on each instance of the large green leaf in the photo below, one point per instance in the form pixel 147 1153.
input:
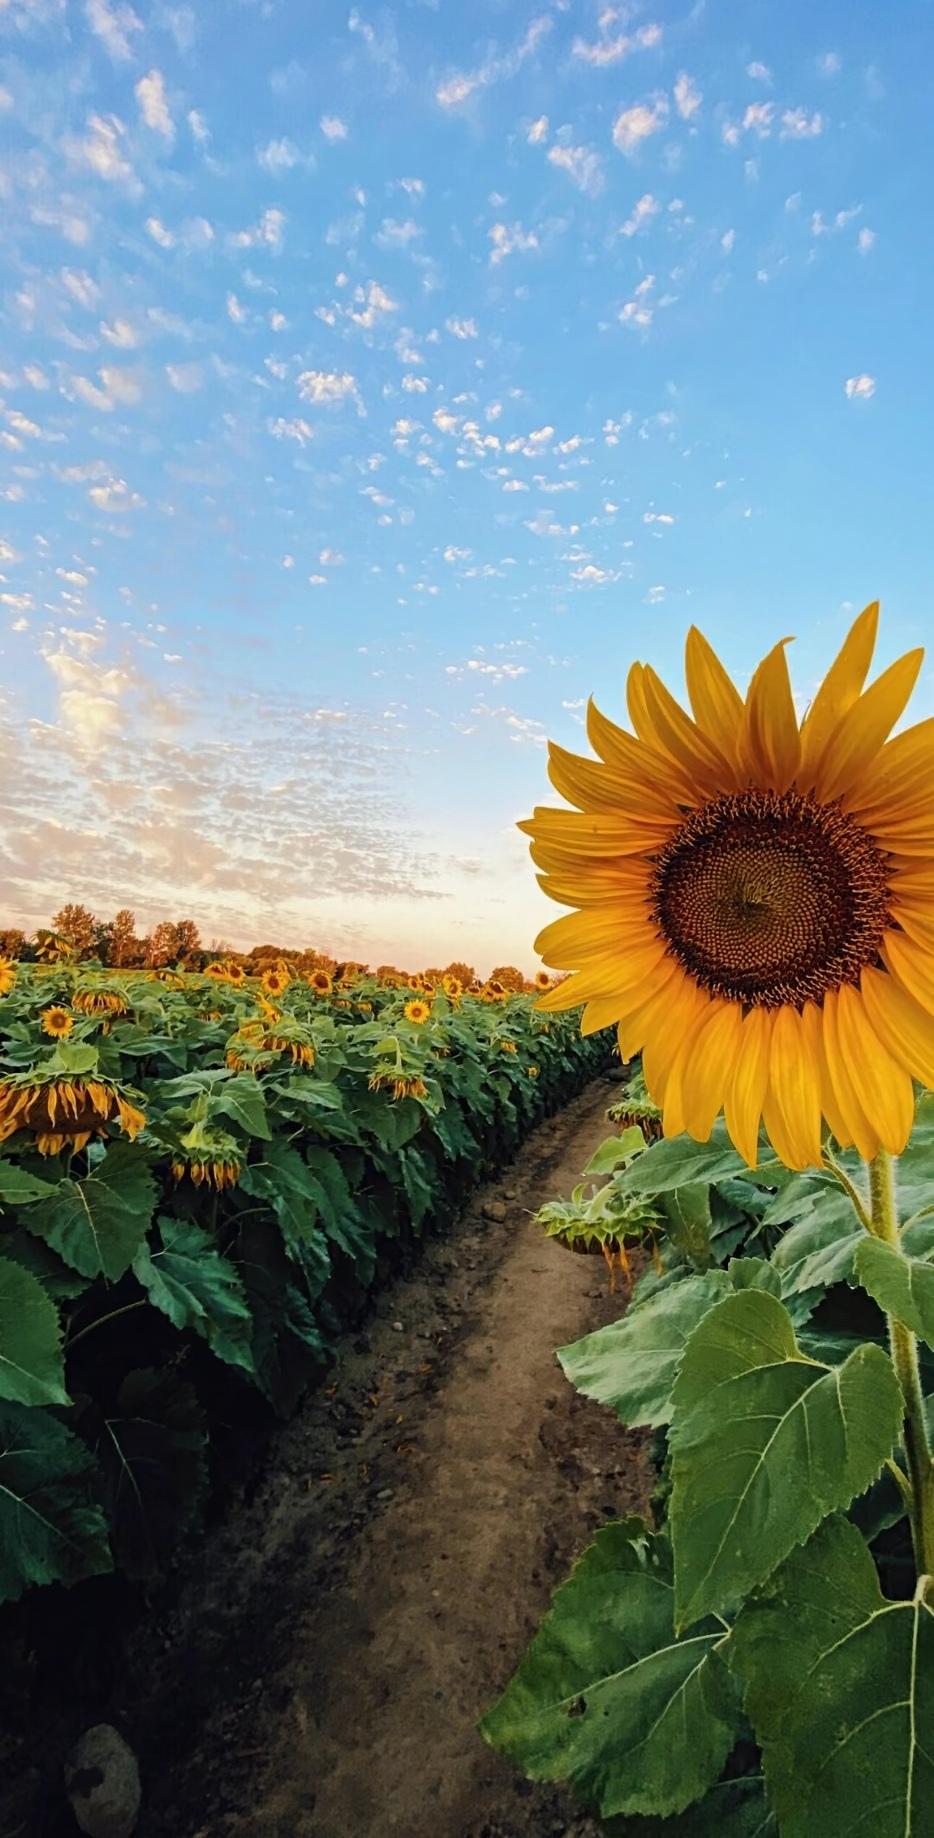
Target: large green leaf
pixel 17 1188
pixel 679 1161
pixel 903 1286
pixel 819 1248
pixel 287 1344
pixel 150 1451
pixel 52 1530
pixel 31 1366
pixel 688 1221
pixel 97 1224
pixel 840 1692
pixel 631 1364
pixel 241 1099
pixel 608 1698
pixel 188 1279
pixel 765 1444
pixel 732 1809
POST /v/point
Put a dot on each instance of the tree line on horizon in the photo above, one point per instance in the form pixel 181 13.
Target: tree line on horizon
pixel 76 934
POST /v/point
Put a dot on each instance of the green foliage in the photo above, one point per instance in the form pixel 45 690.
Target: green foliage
pixel 765 1444
pixel 840 1689
pixel 609 1698
pixel 758 1351
pixel 146 1284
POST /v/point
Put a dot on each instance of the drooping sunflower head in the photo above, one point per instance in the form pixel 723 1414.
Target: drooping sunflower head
pixel 100 999
pixel 542 979
pixel 453 988
pixel 418 1011
pixel 57 1022
pixel 235 974
pixel 65 1112
pixel 320 982
pixel 7 975
pixel 753 898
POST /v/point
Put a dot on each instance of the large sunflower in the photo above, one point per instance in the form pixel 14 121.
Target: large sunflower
pixel 755 898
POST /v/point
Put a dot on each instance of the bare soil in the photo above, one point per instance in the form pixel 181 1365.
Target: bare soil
pixel 322 1671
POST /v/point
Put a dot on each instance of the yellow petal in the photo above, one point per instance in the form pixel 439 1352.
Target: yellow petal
pixel 682 739
pixel 838 692
pixel 889 1086
pixel 652 1007
pixel 593 833
pixel 902 1025
pixel 709 1067
pixel 912 966
pixel 593 786
pixel 714 697
pixel 770 744
pixel 579 939
pixel 847 1097
pixel 903 769
pixel 839 1128
pixel 631 756
pixel 665 1061
pixel 792 1110
pixel 746 1089
pixel 627 880
pixel 862 731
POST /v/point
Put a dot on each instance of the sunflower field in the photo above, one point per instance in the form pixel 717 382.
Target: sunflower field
pixel 200 1178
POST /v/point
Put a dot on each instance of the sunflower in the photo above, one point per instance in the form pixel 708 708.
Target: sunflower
pixel 417 1011
pixel 320 982
pixel 542 979
pixel 275 982
pixel 402 1086
pixel 7 975
pixel 754 899
pixel 493 991
pixel 57 1022
pixel 508 1046
pixel 453 988
pixel 532 1072
pixel 64 1111
pixel 217 1172
pixel 235 974
pixel 99 1000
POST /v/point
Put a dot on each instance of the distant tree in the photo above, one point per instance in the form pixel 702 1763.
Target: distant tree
pixel 76 925
pixel 162 945
pixel 465 973
pixel 509 976
pixel 124 945
pixel 187 939
pixel 12 941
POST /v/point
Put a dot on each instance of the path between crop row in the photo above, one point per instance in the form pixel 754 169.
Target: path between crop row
pixel 323 1673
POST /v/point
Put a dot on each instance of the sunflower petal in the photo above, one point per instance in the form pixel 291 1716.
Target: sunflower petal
pixel 861 733
pixel 714 698
pixel 859 1129
pixel 630 755
pixel 746 1089
pixel 708 1069
pixel 770 744
pixel 893 1103
pixel 902 1025
pixel 590 785
pixel 792 1110
pixel 838 692
pixel 680 737
pixel 912 966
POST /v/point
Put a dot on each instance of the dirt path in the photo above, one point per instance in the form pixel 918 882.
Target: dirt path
pixel 323 1674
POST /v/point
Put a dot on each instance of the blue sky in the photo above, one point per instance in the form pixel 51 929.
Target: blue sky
pixel 377 382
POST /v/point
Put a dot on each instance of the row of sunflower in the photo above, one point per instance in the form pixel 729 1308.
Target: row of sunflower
pixel 200 1176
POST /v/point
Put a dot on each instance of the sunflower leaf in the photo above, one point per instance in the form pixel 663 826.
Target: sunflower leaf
pixel 902 1286
pixel 17 1188
pixel 188 1280
pixel 608 1697
pixel 31 1366
pixel 150 1449
pixel 765 1444
pixel 51 1529
pixel 840 1692
pixel 98 1224
pixel 631 1364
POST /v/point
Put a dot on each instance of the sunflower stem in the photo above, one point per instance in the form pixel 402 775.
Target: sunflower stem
pixel 904 1349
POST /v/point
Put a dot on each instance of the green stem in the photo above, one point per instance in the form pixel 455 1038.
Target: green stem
pixel 904 1348
pixel 101 1319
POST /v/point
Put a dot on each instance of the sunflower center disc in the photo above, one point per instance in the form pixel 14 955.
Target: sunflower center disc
pixel 768 897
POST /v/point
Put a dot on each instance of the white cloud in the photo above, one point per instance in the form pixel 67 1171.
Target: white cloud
pixel 461 87
pixel 582 165
pixel 81 286
pixel 462 328
pixel 688 97
pixel 830 64
pixel 373 303
pixel 415 385
pixel 865 240
pixel 115 495
pixel 395 235
pixel 235 311
pixel 453 554
pixel 760 73
pixel 797 124
pixel 331 558
pixel 267 233
pixel 727 241
pixel 538 132
pixel 153 105
pixel 297 429
pixel 200 132
pixel 634 125
pixel 121 385
pixel 185 378
pixel 639 311
pixel 325 386
pixel 333 128
pixel 860 388
pixel 642 212
pixel 510 239
pixel 119 333
pixel 592 576
pixel 102 150
pixel 279 156
pixel 157 230
pixel 611 49
pixel 113 25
